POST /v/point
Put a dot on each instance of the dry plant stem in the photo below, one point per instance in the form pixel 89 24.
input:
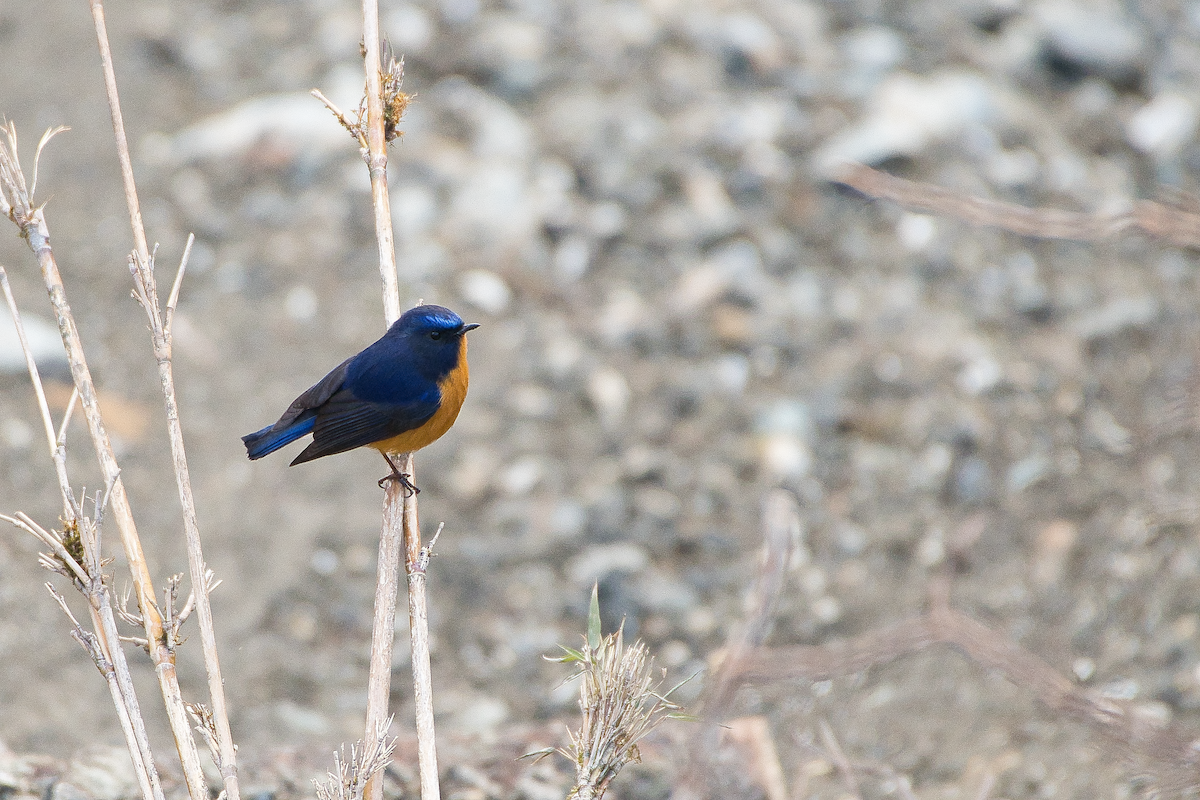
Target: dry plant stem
pixel 399 525
pixel 160 334
pixel 57 451
pixel 1179 226
pixel 37 234
pixel 161 337
pixel 781 521
pixel 387 589
pixel 415 562
pixel 110 658
pixel 110 90
pixel 1163 750
pixel 376 157
pixel 134 735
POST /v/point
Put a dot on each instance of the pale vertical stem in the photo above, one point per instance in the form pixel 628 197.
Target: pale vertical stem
pixel 38 237
pixel 377 163
pixel 399 524
pixel 105 622
pixel 415 562
pixel 197 571
pixel 110 88
pixel 387 589
pixel 196 567
pixel 116 669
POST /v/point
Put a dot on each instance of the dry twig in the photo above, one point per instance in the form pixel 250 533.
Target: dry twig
pixel 1174 224
pixel 367 759
pixel 75 554
pixel 146 292
pixel 1165 751
pixel 781 535
pixel 376 125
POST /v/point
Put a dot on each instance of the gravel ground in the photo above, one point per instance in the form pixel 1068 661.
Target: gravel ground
pixel 679 312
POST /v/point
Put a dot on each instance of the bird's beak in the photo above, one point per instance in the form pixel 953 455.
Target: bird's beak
pixel 468 327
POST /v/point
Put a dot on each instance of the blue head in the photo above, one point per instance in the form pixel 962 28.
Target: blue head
pixel 432 337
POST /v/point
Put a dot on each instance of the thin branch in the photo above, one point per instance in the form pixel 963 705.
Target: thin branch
pixel 1174 224
pixel 61 438
pixel 144 280
pixel 173 298
pixel 839 758
pixel 37 156
pixel 350 776
pixel 30 363
pixel 781 535
pixel 400 530
pixel 1163 750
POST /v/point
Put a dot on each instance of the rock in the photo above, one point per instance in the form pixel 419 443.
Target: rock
pixel 480 715
pixel 1027 472
pixel 1053 548
pixel 597 563
pixel 301 303
pixel 1093 39
pixel 906 114
pixel 1120 314
pixel 609 392
pixel 287 124
pixel 1164 125
pixel 485 290
pixel 521 476
pixel 44 342
pixel 104 773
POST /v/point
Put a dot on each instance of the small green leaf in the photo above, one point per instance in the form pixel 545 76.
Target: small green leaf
pixel 569 656
pixel 593 635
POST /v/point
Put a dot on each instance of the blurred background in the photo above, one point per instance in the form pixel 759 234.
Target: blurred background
pixel 679 311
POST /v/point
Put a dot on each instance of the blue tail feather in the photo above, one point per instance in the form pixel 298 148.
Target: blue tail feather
pixel 266 441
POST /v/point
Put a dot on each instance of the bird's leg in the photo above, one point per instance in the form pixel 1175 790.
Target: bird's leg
pixel 397 475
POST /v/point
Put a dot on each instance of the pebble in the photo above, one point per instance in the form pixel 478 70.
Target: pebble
pixel 906 114
pixel 1107 432
pixel 104 773
pixel 1164 125
pixel 301 719
pixel 1027 472
pixel 520 477
pixel 485 290
pixel 1093 38
pixel 44 342
pixel 610 394
pixel 600 561
pixel 1053 549
pixel 301 303
pixel 289 124
pixel 481 715
pixel 410 28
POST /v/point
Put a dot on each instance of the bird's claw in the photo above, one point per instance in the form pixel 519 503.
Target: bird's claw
pixel 402 477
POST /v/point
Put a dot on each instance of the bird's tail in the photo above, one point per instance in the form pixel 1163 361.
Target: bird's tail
pixel 268 440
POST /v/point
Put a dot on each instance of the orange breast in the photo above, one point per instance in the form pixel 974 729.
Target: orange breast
pixel 454 392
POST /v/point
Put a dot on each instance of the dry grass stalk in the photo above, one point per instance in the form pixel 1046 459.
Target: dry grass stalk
pixel 621 703
pixel 146 292
pixel 75 551
pixel 1166 752
pixel 1173 223
pixel 781 537
pixel 377 124
pixel 350 775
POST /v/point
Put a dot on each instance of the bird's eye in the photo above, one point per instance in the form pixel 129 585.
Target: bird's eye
pixel 435 335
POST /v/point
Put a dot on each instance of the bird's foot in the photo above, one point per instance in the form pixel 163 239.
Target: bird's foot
pixel 402 477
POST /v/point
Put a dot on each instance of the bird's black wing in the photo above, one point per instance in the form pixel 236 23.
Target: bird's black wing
pixel 345 422
pixel 315 397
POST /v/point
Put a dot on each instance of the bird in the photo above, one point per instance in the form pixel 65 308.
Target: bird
pixel 398 395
